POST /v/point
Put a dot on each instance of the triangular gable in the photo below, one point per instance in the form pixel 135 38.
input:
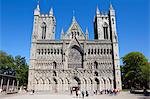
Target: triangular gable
pixel 75 27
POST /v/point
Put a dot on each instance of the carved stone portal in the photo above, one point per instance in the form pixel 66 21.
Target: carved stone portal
pixel 75 58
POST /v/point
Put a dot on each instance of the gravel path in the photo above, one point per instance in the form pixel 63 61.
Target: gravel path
pixel 122 95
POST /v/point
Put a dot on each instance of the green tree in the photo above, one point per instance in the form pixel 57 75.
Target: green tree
pixel 135 70
pixel 6 64
pixel 22 70
pixel 15 66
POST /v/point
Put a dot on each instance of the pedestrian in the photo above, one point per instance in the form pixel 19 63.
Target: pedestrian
pixel 0 90
pixel 71 91
pixel 33 91
pixel 82 94
pixel 87 94
pixel 79 93
pixel 76 93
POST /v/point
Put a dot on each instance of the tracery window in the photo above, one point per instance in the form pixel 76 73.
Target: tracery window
pixel 105 29
pixel 43 30
pixel 75 58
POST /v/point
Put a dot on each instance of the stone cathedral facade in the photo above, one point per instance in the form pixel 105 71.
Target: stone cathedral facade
pixel 74 60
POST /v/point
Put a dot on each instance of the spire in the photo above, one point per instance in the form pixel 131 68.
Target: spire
pixel 37 10
pixel 38 6
pixel 62 33
pixel 97 10
pixel 111 7
pixel 74 18
pixel 51 12
pixel 86 33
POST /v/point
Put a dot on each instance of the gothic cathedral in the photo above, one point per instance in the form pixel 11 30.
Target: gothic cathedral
pixel 74 60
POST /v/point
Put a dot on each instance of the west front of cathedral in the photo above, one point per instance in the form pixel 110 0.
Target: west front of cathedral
pixel 74 60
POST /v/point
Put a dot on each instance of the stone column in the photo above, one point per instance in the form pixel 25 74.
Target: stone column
pixel 7 85
pixel 1 83
pixel 13 84
pixel 100 87
pixel 112 84
pixel 17 84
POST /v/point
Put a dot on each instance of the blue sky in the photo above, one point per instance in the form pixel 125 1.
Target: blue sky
pixel 16 22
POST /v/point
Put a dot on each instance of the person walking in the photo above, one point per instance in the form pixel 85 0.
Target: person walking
pixel 87 94
pixel 79 93
pixel 82 94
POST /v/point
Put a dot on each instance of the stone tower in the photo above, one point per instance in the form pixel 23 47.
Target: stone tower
pixel 105 29
pixel 101 26
pixel 115 48
pixel 44 25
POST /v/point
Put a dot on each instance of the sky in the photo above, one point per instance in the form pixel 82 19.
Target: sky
pixel 16 22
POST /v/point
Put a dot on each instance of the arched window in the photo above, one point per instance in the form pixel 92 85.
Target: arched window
pixel 57 51
pixel 101 51
pixel 45 51
pixel 72 34
pixel 104 51
pixel 95 65
pixel 92 51
pixel 54 65
pixel 54 73
pixel 95 51
pixel 107 51
pixel 43 30
pixel 105 29
pixel 51 51
pixel 98 51
pixel 54 51
pixel 42 51
pixel 112 20
pixel 88 51
pixel 48 51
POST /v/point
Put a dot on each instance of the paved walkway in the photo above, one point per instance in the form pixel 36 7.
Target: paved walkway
pixel 122 95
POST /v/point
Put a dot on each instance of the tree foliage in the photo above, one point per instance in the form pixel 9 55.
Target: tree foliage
pixel 135 70
pixel 15 66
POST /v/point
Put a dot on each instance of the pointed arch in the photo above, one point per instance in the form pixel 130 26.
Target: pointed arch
pixel 54 65
pixel 95 65
pixel 77 80
pixel 43 30
pixel 36 81
pixel 47 81
pixel 54 73
pixel 55 81
pixel 41 81
pixel 105 30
